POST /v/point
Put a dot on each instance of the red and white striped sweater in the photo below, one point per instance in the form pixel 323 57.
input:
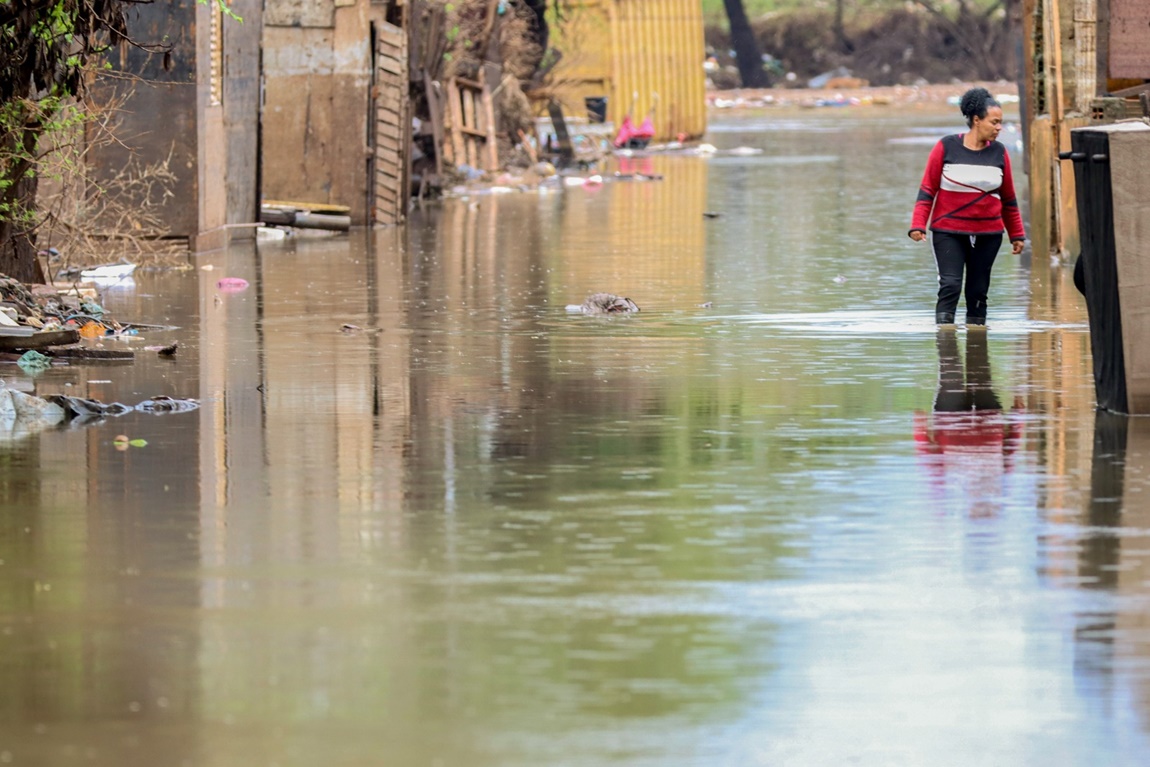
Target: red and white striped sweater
pixel 970 192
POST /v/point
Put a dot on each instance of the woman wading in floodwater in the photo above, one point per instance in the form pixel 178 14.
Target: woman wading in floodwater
pixel 966 199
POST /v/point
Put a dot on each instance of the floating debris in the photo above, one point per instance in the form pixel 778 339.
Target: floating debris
pixel 604 303
pixel 232 284
pixel 350 329
pixel 166 404
pixel 169 350
pixel 23 414
pixel 122 442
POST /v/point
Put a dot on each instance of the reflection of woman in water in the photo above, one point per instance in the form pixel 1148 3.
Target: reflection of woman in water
pixel 966 198
pixel 968 435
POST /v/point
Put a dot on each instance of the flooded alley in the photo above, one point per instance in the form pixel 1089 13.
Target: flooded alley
pixel 774 518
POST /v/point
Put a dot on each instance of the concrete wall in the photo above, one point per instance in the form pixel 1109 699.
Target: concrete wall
pixel 1130 183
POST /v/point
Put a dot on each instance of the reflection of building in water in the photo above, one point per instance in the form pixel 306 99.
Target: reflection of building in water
pixel 1061 392
pixel 398 451
pixel 1113 558
pixel 968 439
pixel 305 436
pixel 1060 385
pixel 1114 452
pixel 1133 624
pixel 283 386
pixel 642 239
pixel 84 528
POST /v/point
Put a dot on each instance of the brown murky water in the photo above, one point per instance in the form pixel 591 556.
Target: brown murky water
pixel 795 526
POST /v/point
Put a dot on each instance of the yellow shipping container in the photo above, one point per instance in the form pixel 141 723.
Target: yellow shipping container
pixel 638 54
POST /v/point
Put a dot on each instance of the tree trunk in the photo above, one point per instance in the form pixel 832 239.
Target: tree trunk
pixel 840 31
pixel 18 241
pixel 18 235
pixel 748 56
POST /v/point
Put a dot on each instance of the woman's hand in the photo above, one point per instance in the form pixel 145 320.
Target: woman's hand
pixel 1017 246
pixel 918 235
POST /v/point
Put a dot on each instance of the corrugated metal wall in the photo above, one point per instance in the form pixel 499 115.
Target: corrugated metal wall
pixel 659 49
pixel 631 50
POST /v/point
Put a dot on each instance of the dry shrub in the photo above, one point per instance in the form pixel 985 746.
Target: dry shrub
pixel 907 44
pixel 519 48
pixel 512 108
pixel 475 35
pixel 91 219
pixel 463 38
pixel 803 41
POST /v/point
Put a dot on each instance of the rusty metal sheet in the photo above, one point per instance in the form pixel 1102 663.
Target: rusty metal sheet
pixel 1130 39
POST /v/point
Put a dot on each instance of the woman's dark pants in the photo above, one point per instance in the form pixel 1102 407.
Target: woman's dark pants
pixel 953 253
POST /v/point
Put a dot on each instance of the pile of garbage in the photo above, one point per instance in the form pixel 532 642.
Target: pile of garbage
pixel 44 308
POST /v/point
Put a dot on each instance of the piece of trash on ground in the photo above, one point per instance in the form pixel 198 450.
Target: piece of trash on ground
pixel 33 361
pixel 108 271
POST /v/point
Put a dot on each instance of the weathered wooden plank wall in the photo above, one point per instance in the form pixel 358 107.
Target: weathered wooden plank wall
pixel 319 124
pixel 392 127
pixel 241 103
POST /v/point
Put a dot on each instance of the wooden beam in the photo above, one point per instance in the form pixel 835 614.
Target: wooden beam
pixel 1054 71
pixel 1085 54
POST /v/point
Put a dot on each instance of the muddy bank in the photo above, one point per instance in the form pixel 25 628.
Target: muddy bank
pixel 904 46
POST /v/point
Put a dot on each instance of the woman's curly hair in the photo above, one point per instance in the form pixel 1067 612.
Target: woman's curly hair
pixel 974 104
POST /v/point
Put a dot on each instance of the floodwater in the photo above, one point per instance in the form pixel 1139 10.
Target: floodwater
pixel 772 519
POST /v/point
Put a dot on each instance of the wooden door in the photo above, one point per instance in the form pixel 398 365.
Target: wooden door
pixel 392 129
